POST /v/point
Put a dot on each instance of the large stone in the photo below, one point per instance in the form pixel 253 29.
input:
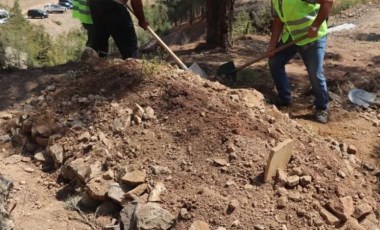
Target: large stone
pixel 278 158
pixel 199 225
pixel 117 193
pixel 154 195
pixel 329 218
pixel 292 181
pixel 136 192
pixel 77 168
pixel 108 208
pixel 94 170
pixel 134 178
pixel 127 216
pixel 352 224
pixel 5 187
pixel 151 216
pixel 343 208
pixel 361 210
pixel 97 189
pixel 56 152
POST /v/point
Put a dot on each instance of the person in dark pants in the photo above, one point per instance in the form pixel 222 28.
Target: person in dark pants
pixel 111 18
pixel 81 11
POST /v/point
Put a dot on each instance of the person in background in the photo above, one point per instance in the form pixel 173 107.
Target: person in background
pixel 293 19
pixel 111 18
pixel 81 11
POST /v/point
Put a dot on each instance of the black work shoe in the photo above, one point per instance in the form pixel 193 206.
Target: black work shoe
pixel 322 116
pixel 278 102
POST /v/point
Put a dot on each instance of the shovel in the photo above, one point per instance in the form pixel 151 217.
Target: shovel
pixel 194 68
pixel 362 98
pixel 228 69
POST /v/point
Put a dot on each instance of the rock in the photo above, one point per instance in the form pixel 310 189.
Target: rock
pixel 281 177
pixel 5 138
pixel 5 116
pixel 361 210
pixel 292 181
pixel 258 227
pixel 136 192
pixel 353 224
pixel 127 216
pixel 89 55
pixel 109 175
pixel 13 159
pixel 28 169
pixel 221 228
pixel 281 202
pixel 151 216
pixel 305 180
pixel 161 170
pixel 93 171
pixel 278 158
pixel 84 137
pixel 76 168
pixel 220 162
pixel 297 171
pixel 369 225
pixel 116 193
pixel 87 203
pixel 42 157
pixel 154 195
pixel 351 149
pixel 199 225
pixel 43 129
pixel 295 196
pixel 97 189
pixel 149 113
pixel 134 178
pixel 138 110
pixel 329 218
pixel 5 186
pixel 56 152
pixel 108 208
pixel 232 206
pixel 341 174
pixel 343 208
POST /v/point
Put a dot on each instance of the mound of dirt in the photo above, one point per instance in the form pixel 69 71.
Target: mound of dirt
pixel 174 151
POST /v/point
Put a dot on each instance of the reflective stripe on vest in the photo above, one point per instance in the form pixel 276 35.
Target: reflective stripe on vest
pixel 297 17
pixel 81 11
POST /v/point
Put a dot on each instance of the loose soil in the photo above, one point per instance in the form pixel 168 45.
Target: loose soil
pixel 199 123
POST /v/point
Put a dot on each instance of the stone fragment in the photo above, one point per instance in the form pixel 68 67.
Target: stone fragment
pixel 136 192
pixel 281 177
pixel 161 170
pixel 351 149
pixel 13 159
pixel 76 168
pixel 138 110
pixel 329 218
pixel 232 206
pixel 127 216
pixel 98 189
pixel 297 171
pixel 220 162
pixel 152 216
pixel 56 152
pixel 278 158
pixel 361 210
pixel 343 208
pixel 84 137
pixel 116 193
pixel 93 171
pixel 199 225
pixel 154 195
pixel 295 196
pixel 149 113
pixel 292 181
pixel 108 208
pixel 134 178
pixel 353 224
pixel 108 175
pixel 305 180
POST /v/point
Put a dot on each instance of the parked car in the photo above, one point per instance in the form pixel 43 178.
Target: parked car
pixel 4 15
pixel 37 13
pixel 51 8
pixel 68 5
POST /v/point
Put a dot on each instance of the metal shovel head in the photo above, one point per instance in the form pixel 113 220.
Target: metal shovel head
pixel 227 70
pixel 362 97
pixel 195 68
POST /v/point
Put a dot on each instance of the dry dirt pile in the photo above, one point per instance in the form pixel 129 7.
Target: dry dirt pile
pixel 135 145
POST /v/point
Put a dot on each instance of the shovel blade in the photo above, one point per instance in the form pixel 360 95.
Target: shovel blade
pixel 362 97
pixel 195 68
pixel 227 70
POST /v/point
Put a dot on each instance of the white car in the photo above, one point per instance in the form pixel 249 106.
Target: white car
pixel 4 15
pixel 51 8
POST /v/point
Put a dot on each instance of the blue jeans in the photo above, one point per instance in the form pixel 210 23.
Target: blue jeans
pixel 312 55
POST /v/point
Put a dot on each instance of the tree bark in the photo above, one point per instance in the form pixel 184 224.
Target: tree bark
pixel 219 23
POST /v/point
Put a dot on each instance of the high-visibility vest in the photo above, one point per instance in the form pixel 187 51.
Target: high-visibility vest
pixel 81 11
pixel 297 17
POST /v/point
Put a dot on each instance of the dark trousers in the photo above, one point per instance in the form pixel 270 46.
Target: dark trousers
pixel 90 30
pixel 113 19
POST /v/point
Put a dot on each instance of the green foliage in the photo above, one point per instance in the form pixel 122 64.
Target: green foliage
pixel 157 17
pixel 242 24
pixel 157 59
pixel 344 5
pixel 41 49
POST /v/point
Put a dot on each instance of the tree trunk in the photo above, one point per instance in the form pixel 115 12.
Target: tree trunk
pixel 219 23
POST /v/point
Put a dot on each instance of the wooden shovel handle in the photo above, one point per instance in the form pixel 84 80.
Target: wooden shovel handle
pixel 162 43
pixel 287 45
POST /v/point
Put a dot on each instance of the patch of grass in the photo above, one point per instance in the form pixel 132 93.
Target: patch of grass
pixel 71 204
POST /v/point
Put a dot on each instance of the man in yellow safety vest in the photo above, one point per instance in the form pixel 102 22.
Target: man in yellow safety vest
pixel 81 11
pixel 294 19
